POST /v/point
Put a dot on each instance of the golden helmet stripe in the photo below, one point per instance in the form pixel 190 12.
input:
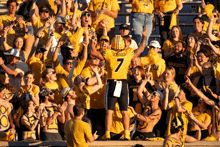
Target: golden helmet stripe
pixel 118 42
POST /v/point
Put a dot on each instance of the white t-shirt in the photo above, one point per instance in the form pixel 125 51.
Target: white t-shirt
pixel 17 81
pixel 133 44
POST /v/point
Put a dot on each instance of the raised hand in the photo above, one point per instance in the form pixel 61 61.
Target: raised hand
pixel 188 81
pixel 145 31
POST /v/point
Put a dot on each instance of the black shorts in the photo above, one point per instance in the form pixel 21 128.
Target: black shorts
pixel 204 133
pixel 143 136
pixel 111 99
pixel 45 136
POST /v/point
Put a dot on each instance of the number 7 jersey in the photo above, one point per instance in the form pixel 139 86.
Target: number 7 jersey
pixel 117 62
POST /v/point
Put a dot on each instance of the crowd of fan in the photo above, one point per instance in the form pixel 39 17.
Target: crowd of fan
pixel 47 68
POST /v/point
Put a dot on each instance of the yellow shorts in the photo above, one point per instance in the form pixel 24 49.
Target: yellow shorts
pixel 212 137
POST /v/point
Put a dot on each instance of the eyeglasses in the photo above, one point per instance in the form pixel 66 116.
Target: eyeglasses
pixel 69 63
pixel 86 14
pixel 51 93
pixel 52 72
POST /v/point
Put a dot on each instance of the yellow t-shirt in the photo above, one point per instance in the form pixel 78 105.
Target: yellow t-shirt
pixel 97 98
pixel 157 69
pixel 70 14
pixel 169 141
pixel 195 73
pixel 143 6
pixel 215 27
pixel 37 24
pixel 112 5
pixel 6 20
pixel 200 36
pixel 37 67
pixel 117 125
pixel 217 69
pixel 83 98
pixel 172 89
pixel 204 117
pixel 76 132
pixel 35 89
pixel 62 74
pixel 50 111
pixel 117 63
pixel 57 92
pixel 166 5
pixel 168 45
pixel 188 105
pixel 217 120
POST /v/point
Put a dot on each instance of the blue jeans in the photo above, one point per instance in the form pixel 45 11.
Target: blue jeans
pixel 138 23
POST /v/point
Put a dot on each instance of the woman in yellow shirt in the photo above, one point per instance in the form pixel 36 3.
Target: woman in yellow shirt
pixel 213 30
pixel 30 90
pixel 201 116
pixel 165 8
pixel 22 44
pixel 191 45
pixel 175 35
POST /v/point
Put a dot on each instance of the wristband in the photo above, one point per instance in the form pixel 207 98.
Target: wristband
pixel 176 97
pixel 37 37
pixel 137 115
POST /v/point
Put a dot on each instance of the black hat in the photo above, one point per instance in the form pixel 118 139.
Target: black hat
pixel 40 49
pixel 43 9
pixel 124 26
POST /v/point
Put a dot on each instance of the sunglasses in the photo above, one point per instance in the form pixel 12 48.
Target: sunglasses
pixel 215 16
pixel 51 93
pixel 52 72
pixel 155 93
pixel 86 14
pixel 69 63
pixel 206 68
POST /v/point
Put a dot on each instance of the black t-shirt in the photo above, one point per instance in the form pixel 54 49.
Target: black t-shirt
pixel 180 65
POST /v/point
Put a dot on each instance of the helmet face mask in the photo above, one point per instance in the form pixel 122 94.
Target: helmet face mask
pixel 118 43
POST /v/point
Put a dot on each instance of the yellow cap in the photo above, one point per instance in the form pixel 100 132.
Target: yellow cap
pixel 104 37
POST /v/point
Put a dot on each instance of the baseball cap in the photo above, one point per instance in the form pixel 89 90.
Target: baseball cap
pixel 160 94
pixel 104 37
pixel 60 19
pixel 43 9
pixel 155 44
pixel 41 50
pixel 65 91
pixel 124 26
pixel 13 52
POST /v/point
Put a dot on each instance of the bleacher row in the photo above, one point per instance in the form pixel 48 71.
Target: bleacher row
pixel 186 16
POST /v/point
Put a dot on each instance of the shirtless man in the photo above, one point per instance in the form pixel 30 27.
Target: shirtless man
pixel 151 114
pixel 54 113
pixel 70 96
pixel 7 127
